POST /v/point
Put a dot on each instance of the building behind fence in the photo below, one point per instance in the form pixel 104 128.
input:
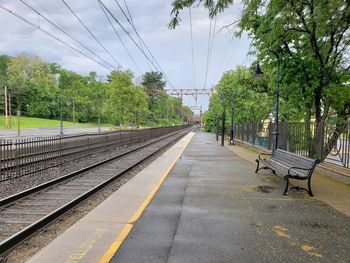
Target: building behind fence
pixel 300 138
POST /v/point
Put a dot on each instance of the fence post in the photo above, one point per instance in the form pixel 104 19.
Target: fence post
pixel 321 140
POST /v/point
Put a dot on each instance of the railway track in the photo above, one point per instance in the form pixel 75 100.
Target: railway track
pixel 30 156
pixel 23 214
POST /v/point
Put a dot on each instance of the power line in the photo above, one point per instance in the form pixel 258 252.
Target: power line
pixel 227 55
pixel 63 31
pixel 116 32
pixel 210 48
pixel 133 40
pixel 52 36
pixel 126 32
pixel 90 32
pixel 149 51
pixel 192 51
pixel 132 21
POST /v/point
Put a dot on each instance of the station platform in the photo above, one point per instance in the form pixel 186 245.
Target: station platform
pixel 206 206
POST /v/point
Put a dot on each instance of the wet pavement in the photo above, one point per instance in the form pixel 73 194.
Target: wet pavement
pixel 213 208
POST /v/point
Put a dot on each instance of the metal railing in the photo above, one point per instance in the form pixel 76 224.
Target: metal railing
pixel 306 139
pixel 32 156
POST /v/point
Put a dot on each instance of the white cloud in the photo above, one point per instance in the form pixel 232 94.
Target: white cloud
pixel 172 48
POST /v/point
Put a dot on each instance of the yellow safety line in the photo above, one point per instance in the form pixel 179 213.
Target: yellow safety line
pixel 126 230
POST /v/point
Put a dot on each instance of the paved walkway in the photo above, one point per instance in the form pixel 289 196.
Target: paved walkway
pixel 213 208
pixel 88 240
pixel 335 193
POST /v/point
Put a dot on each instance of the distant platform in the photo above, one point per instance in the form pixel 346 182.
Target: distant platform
pixel 50 131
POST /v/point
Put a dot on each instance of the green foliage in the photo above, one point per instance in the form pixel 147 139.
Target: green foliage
pixel 4 60
pixel 126 102
pixel 238 90
pixel 153 83
pixel 310 38
pixel 41 89
pixel 163 107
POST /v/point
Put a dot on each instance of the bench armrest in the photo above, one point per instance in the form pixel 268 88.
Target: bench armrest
pixel 297 168
pixel 265 154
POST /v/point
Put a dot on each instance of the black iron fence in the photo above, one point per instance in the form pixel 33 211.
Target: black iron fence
pixel 32 156
pixel 308 139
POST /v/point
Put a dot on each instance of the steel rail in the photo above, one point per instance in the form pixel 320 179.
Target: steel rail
pixel 11 242
pixel 10 164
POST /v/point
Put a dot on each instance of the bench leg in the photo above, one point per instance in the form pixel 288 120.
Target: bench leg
pixel 257 166
pixel 309 185
pixel 286 189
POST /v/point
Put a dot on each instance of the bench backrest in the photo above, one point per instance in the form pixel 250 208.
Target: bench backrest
pixel 293 160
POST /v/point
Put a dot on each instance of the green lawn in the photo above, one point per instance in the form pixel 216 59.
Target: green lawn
pixel 27 122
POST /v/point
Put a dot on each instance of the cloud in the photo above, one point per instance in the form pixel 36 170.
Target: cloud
pixel 172 48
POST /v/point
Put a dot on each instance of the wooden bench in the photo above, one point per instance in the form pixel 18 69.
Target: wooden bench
pixel 292 166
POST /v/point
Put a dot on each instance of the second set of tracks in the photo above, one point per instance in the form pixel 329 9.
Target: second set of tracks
pixel 23 214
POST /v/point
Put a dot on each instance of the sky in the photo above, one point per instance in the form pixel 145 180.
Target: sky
pixel 171 48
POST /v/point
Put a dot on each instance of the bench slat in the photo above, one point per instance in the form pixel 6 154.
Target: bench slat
pixel 281 161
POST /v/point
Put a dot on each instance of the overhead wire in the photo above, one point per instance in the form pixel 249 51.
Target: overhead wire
pixel 227 55
pixel 65 32
pixel 144 44
pixel 210 49
pixel 192 51
pixel 52 36
pixel 126 32
pixel 91 33
pixel 132 21
pixel 121 40
pixel 133 40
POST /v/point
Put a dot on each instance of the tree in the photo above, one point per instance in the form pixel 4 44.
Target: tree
pixel 187 114
pixel 19 75
pixel 241 91
pixel 311 40
pixel 4 60
pixel 126 102
pixel 153 83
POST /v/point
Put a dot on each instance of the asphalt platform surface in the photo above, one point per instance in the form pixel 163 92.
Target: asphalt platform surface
pixel 213 208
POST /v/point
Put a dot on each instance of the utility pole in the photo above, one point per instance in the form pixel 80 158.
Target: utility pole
pixel 18 122
pixel 99 121
pixel 6 117
pixel 217 127
pixel 231 126
pixel 73 112
pixel 182 113
pixel 223 124
pixel 10 111
pixel 61 118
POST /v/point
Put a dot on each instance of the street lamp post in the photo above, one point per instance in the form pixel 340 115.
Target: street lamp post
pixel 275 130
pixel 61 116
pixel 217 127
pixel 99 121
pixel 231 127
pixel 259 72
pixel 223 121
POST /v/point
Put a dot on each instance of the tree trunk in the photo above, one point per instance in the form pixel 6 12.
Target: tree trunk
pixel 308 134
pixel 318 141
